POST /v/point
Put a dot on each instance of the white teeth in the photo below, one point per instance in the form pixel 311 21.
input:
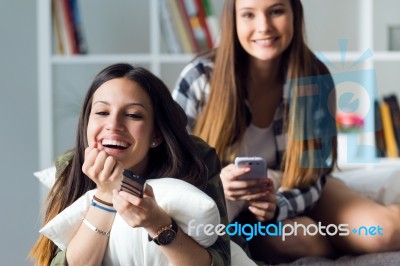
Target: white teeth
pixel 264 41
pixel 114 143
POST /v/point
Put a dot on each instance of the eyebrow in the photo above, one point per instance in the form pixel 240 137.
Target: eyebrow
pixel 271 6
pixel 128 105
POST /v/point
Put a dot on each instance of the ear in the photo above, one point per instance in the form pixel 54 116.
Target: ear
pixel 156 141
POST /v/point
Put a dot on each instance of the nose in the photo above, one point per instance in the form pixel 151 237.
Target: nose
pixel 114 123
pixel 263 24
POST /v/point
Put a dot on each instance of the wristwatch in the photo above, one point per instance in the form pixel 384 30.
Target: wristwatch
pixel 166 234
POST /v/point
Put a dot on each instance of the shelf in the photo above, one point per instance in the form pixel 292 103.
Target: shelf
pixel 334 56
pixel 352 56
pixel 113 58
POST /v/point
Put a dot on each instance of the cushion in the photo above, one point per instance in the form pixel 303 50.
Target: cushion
pixel 379 184
pixel 46 176
pixel 176 197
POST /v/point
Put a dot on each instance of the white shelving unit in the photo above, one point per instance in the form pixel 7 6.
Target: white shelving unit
pixel 53 69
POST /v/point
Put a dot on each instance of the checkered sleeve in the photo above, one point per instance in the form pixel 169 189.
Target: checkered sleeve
pixel 192 89
pixel 294 202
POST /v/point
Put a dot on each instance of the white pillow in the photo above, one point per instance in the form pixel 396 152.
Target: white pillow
pixel 181 200
pixel 380 184
pixel 47 176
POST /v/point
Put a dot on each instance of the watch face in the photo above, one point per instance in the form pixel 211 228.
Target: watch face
pixel 166 237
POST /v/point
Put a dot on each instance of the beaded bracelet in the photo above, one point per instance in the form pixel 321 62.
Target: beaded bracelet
pixel 93 203
pixel 95 229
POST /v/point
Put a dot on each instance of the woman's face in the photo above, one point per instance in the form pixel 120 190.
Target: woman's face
pixel 121 122
pixel 264 27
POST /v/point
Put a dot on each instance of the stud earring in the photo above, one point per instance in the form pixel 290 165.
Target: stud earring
pixel 153 144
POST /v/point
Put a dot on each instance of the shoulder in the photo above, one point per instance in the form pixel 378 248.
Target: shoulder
pixel 63 161
pixel 199 67
pixel 202 146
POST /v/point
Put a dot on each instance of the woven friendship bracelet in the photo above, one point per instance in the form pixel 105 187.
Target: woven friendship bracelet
pixel 95 229
pixel 102 201
pixel 93 203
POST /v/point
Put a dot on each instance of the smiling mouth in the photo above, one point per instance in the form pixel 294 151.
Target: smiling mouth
pixel 115 144
pixel 265 41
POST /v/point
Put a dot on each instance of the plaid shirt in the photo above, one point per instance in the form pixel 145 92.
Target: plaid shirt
pixel 192 92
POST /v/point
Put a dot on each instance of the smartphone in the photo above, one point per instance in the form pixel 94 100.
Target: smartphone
pixel 258 167
pixel 132 183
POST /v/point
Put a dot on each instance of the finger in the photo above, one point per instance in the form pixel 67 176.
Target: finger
pixel 126 199
pixel 148 191
pixel 266 197
pixel 261 214
pixel 90 158
pixel 109 166
pixel 253 197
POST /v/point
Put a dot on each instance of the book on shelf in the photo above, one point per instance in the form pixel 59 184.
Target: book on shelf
pixel 61 22
pixel 200 37
pixel 56 27
pixel 67 28
pixel 202 16
pixel 70 27
pixel 168 29
pixel 188 26
pixel 379 134
pixel 394 108
pixel 179 26
pixel 212 21
pixel 78 28
pixel 390 140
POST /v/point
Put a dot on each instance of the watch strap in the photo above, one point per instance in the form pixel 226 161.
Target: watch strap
pixel 173 226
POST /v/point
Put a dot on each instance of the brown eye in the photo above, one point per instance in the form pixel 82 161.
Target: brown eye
pixel 134 116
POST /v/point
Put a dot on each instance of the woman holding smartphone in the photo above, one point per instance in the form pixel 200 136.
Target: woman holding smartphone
pixel 262 92
pixel 130 121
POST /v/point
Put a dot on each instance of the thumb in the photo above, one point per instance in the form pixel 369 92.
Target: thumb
pixel 148 191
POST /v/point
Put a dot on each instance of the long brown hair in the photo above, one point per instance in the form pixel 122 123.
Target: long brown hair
pixel 177 155
pixel 223 121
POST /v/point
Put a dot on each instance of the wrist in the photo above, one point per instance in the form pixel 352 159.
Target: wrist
pixel 153 228
pixel 165 235
pixel 104 196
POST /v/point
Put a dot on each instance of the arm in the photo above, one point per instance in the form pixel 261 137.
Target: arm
pixel 192 89
pixel 220 250
pixel 294 202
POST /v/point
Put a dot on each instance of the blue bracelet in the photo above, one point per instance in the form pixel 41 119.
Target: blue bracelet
pixel 101 207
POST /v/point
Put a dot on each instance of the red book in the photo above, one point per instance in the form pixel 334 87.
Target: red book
pixel 69 24
pixel 185 14
pixel 201 13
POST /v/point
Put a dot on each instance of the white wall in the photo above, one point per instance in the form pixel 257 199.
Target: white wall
pixel 19 191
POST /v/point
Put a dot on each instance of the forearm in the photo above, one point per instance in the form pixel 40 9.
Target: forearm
pixel 88 247
pixel 185 251
pixel 295 202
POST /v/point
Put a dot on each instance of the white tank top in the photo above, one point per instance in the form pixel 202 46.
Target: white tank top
pixel 259 142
